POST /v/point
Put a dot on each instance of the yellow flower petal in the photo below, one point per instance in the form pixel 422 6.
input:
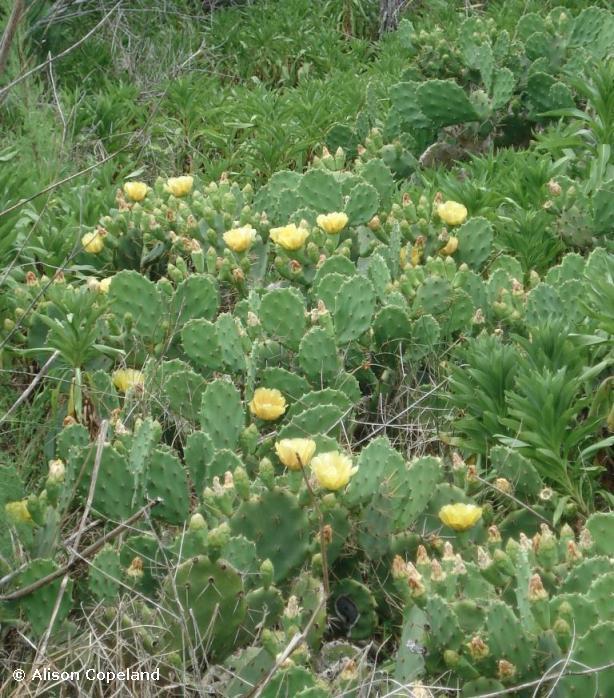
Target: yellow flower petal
pixel 267 403
pixel 294 453
pixel 180 186
pixel 450 247
pixel 452 213
pixel 240 239
pixel 290 237
pixel 18 512
pixel 332 470
pixel 103 284
pixel 126 378
pixel 332 223
pixel 93 242
pixel 460 516
pixel 136 191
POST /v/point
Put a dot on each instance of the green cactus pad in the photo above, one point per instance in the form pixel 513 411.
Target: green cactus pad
pixel 105 574
pixel 233 345
pixel 481 686
pixel 419 485
pixel 409 662
pixel 506 637
pixel 263 609
pixel 433 296
pixel 378 174
pixel 145 438
pixel 378 463
pixel 282 314
pixel 391 326
pixel 584 614
pixel 291 385
pixel 316 398
pixel 241 554
pixel 292 681
pixel 74 435
pixel 166 478
pixel 362 204
pixel 475 239
pixel 38 606
pixel 592 651
pixel 502 89
pixel 445 103
pixel 208 597
pixel 195 297
pixel 317 356
pixel 183 390
pixel 509 464
pixel 320 191
pixel 326 289
pixel 321 420
pixel 582 575
pixel 197 454
pixel 543 304
pixel 601 528
pixel 406 107
pixel 375 526
pixel 600 593
pixel 115 496
pixel 222 416
pixel 279 511
pixel 147 549
pixel 337 264
pixel 202 345
pixel 353 607
pixel 445 630
pixel 379 274
pixel 246 668
pixel 133 294
pixel 425 333
pixel 222 462
pixel 354 306
pixel 102 394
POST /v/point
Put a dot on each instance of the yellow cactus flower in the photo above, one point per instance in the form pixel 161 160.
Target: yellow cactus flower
pixel 268 403
pixel 459 516
pixel 136 191
pixel 450 247
pixel 180 186
pixel 57 471
pixel 126 378
pixel 290 237
pixel 93 242
pixel 295 452
pixel 103 284
pixel 18 512
pixel 332 223
pixel 333 470
pixel 240 239
pixel 452 213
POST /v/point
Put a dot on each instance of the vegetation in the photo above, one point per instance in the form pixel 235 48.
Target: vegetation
pixel 306 349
